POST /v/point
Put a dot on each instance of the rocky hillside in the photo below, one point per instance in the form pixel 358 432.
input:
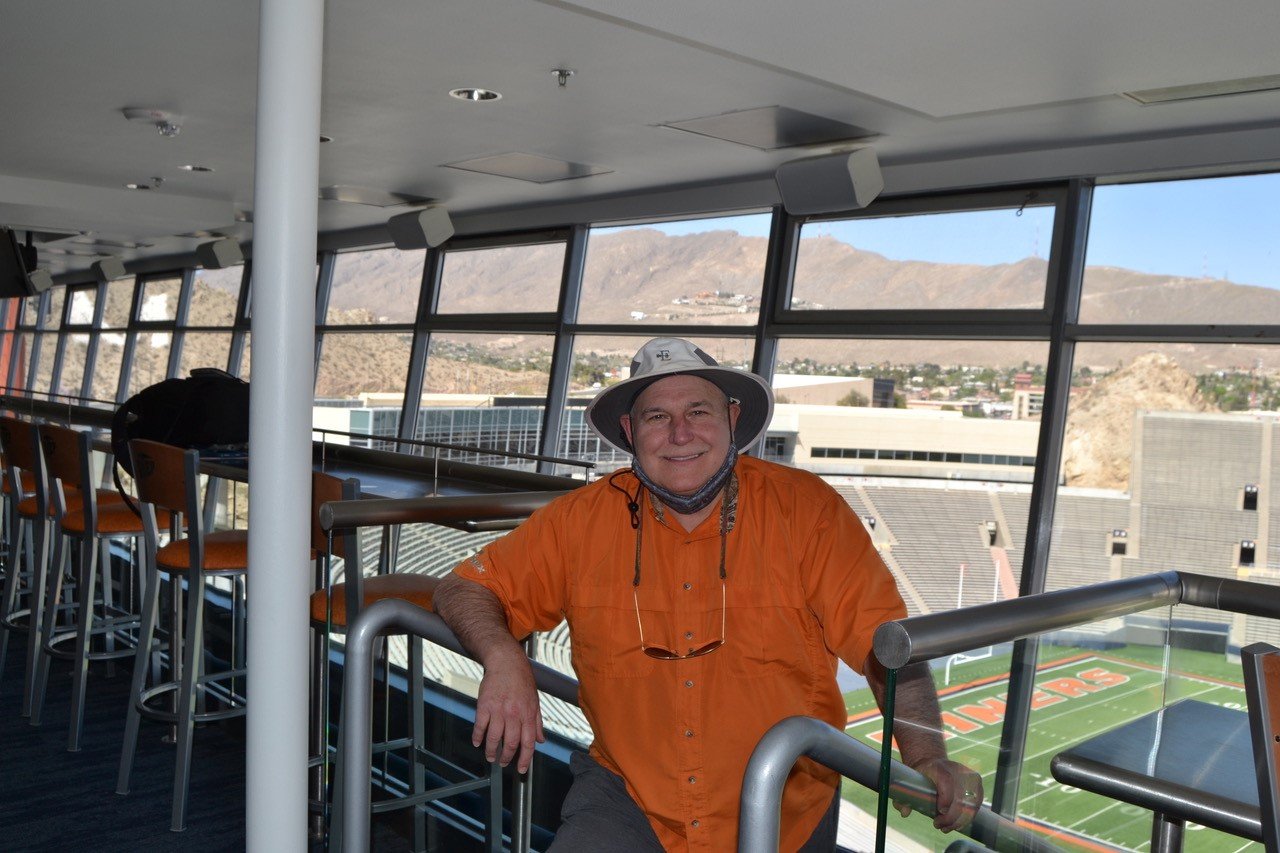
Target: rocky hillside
pixel 1099 441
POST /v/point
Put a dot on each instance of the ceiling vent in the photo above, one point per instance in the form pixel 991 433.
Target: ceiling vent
pixel 1198 91
pixel 529 167
pixel 771 128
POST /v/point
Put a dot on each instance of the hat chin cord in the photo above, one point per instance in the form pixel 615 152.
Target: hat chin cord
pixel 700 498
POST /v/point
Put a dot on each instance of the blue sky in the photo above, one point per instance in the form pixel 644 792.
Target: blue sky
pixel 1216 227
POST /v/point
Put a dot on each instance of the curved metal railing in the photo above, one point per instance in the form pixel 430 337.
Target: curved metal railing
pixel 378 619
pixel 936 635
pixel 782 745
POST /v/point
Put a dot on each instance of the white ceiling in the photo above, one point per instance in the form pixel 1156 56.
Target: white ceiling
pixel 959 94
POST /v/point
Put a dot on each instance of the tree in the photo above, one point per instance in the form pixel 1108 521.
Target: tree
pixel 853 398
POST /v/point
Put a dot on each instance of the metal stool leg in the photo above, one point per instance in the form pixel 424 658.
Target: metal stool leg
pixel 12 582
pixel 39 587
pixel 86 588
pixel 192 654
pixel 53 600
pixel 142 661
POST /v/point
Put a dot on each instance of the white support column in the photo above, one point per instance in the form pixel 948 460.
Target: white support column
pixel 286 175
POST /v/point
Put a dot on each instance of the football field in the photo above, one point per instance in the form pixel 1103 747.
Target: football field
pixel 1078 694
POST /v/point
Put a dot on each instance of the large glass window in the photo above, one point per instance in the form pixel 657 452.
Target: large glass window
pixel 119 301
pixel 1195 251
pixel 379 286
pixel 106 367
pixel 204 349
pixel 214 295
pixel 969 259
pixel 355 366
pixel 1163 443
pixel 486 391
pixel 502 279
pixel 82 300
pixel 703 271
pixel 933 445
pixel 150 360
pixel 73 365
pixel 160 299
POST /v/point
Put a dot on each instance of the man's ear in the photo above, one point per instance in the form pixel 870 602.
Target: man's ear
pixel 735 410
pixel 625 423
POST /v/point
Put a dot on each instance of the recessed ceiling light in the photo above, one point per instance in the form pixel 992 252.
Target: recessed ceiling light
pixel 469 94
pixel 195 167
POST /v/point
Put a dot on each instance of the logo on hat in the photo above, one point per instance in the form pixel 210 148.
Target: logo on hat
pixel 664 354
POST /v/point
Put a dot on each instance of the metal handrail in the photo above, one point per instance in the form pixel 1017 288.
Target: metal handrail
pixel 784 743
pixel 513 506
pixel 62 412
pixel 378 619
pixel 936 635
pixel 461 448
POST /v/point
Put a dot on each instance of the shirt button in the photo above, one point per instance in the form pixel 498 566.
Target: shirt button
pixel 688 684
pixel 693 779
pixel 695 822
pixel 688 586
pixel 688 732
pixel 688 635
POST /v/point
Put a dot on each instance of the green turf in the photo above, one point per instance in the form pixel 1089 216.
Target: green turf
pixel 1080 693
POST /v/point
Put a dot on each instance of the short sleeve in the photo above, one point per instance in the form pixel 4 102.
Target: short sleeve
pixel 847 585
pixel 526 570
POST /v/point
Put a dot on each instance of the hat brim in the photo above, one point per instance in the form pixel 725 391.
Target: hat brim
pixel 604 414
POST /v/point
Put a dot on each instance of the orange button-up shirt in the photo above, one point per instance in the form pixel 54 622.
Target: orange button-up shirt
pixel 804 584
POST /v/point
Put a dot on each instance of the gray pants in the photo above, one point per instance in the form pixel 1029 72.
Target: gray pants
pixel 599 816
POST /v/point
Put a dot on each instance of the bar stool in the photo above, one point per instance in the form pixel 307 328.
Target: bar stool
pixel 25 525
pixel 93 519
pixel 168 478
pixel 27 485
pixel 333 607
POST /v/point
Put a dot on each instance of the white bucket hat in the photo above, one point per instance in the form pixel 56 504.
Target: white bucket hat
pixel 662 357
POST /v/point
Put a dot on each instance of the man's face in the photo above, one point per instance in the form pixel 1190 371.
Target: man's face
pixel 680 428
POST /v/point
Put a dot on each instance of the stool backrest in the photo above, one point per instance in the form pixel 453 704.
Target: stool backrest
pixel 18 439
pixel 66 453
pixel 161 473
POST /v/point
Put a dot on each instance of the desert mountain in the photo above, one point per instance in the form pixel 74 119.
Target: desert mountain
pixel 1099 440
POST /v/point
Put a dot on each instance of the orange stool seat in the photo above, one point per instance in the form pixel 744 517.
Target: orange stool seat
pixel 28 483
pixel 114 519
pixel 106 497
pixel 415 589
pixel 224 551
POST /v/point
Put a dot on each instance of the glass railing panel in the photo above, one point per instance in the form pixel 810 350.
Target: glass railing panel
pixel 1114 692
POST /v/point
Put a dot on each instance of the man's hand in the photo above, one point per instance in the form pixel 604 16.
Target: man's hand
pixel 508 716
pixel 959 793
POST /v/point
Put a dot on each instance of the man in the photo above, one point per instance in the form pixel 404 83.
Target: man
pixel 708 596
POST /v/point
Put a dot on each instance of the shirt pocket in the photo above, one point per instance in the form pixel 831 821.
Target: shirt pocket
pixel 764 630
pixel 603 634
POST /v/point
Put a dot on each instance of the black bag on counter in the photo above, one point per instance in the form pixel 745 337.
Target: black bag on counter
pixel 207 410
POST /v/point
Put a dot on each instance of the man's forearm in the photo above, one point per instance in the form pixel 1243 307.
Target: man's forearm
pixel 917 718
pixel 476 617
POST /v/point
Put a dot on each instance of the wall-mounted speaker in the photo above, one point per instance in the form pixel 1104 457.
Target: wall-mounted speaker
pixel 219 254
pixel 417 229
pixel 108 269
pixel 38 281
pixel 831 183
